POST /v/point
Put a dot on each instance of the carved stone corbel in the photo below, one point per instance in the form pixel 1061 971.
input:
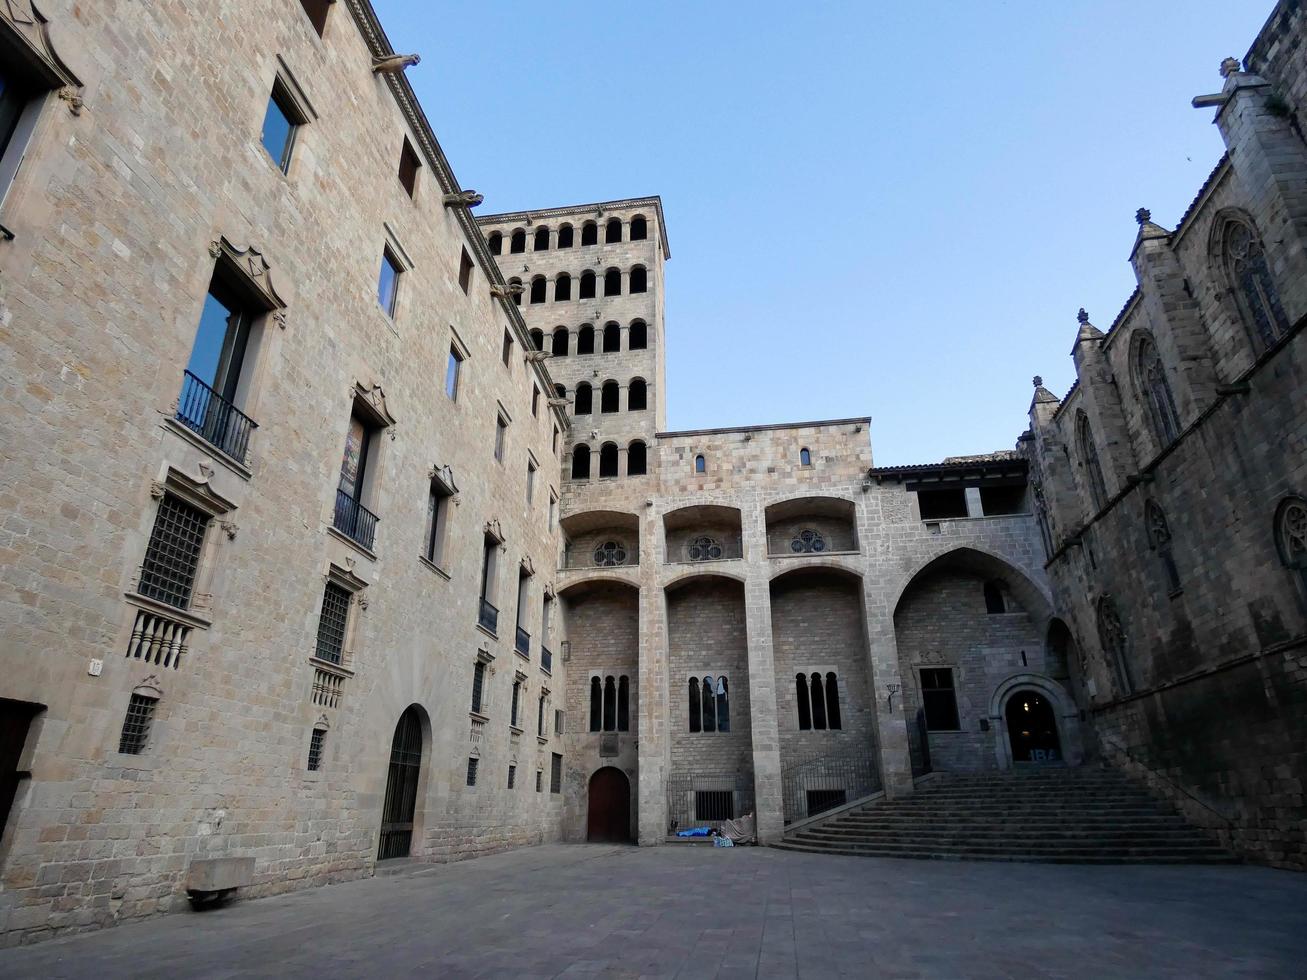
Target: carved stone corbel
pixel 229 528
pixel 70 95
pixel 156 490
pixel 394 64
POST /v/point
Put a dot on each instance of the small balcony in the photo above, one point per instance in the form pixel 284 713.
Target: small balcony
pixel 522 643
pixel 546 660
pixel 488 616
pixel 213 418
pixel 354 520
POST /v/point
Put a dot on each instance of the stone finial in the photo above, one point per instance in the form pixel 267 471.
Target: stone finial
pixel 1142 215
pixel 1229 66
pixel 1082 317
pixel 394 64
pixel 1039 382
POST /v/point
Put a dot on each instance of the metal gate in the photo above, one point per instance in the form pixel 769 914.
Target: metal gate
pixel 401 787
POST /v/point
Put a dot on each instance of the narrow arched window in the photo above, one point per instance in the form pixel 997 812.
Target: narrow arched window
pixel 832 701
pixel 596 698
pixel 994 598
pixel 562 288
pixel 585 340
pixel 542 240
pixel 623 704
pixel 612 338
pixel 583 404
pixel 818 704
pixel 693 701
pixel 801 698
pixel 610 704
pixel 723 705
pixel 639 228
pixel 517 244
pixel 560 342
pixel 587 287
pixel 637 336
pixel 589 234
pixel 537 339
pixel 564 236
pixel 613 233
pixel 1151 377
pixel 1159 539
pixel 1089 459
pixel 1111 637
pixel 639 280
pixel 608 459
pixel 581 462
pixel 610 397
pixel 805 457
pixel 700 464
pixel 538 289
pixel 560 390
pixel 496 243
pixel 637 396
pixel 613 282
pixel 517 293
pixel 1291 535
pixel 1250 280
pixel 636 459
pixel 709 709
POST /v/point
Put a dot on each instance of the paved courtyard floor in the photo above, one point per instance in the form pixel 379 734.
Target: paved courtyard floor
pixel 594 910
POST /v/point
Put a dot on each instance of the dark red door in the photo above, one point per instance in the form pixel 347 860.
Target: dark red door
pixel 609 816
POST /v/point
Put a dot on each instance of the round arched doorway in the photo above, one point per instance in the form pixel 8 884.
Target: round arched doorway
pixel 608 812
pixel 1032 728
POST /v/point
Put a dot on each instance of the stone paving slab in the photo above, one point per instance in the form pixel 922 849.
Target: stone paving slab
pixel 603 911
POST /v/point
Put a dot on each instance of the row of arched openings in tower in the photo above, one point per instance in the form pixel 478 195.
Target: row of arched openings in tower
pixel 610 704
pixel 637 338
pixel 540 238
pixel 538 289
pixel 610 397
pixel 637 460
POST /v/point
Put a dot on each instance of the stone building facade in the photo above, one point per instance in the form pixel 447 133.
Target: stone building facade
pixel 1172 479
pixel 339 526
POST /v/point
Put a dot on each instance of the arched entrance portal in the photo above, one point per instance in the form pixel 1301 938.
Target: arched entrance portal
pixel 1032 728
pixel 609 810
pixel 402 786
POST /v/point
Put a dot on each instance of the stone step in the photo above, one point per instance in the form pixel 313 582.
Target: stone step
pixel 1012 847
pixel 1215 856
pixel 1182 834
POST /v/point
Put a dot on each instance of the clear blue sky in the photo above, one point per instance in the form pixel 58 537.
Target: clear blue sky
pixel 885 209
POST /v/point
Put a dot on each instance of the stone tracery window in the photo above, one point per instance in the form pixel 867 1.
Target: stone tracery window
pixel 1291 535
pixel 1089 458
pixel 1249 276
pixel 808 541
pixel 610 554
pixel 1157 392
pixel 704 548
pixel 1159 539
pixel 1112 639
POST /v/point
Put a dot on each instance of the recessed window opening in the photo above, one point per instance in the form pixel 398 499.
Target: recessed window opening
pixel 388 282
pixel 438 498
pixel 316 739
pixel 452 369
pixel 585 340
pixel 636 459
pixel 613 232
pixel 636 396
pixel 610 397
pixel 582 402
pixel 506 348
pixel 556 773
pixel 581 462
pixel 560 342
pixel 637 336
pixel 639 280
pixel 562 287
pixel 639 228
pixel 565 236
pixel 317 12
pixel 938 699
pixel 537 339
pixel 473 764
pixel 478 685
pixel 136 725
pixel 589 234
pixel 612 338
pixel 994 603
pixel 465 272
pixel 172 556
pixel 516 293
pixel 280 124
pixel 512 776
pixel 997 501
pixel 613 282
pixel 1253 289
pixel 517 242
pixel 608 460
pixel 501 431
pixel 939 505
pixel 333 621
pixel 541 243
pixel 408 168
pixel 700 464
pixel 538 289
pixel 496 243
pixel 587 289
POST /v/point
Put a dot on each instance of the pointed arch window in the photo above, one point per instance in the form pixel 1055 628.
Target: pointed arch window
pixel 1291 536
pixel 1249 275
pixel 1159 540
pixel 1112 639
pixel 1157 392
pixel 1089 460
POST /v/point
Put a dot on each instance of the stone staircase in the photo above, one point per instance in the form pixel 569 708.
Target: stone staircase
pixel 1056 815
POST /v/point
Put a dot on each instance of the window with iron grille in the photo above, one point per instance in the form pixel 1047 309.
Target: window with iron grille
pixel 512 776
pixel 173 554
pixel 714 804
pixel 136 726
pixel 517 703
pixel 315 749
pixel 939 699
pixel 540 777
pixel 332 623
pixel 472 771
pixel 821 800
pixel 556 773
pixel 478 685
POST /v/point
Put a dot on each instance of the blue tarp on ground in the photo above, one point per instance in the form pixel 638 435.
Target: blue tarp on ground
pixel 695 832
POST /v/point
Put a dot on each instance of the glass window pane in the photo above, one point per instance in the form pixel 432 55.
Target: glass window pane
pixel 451 374
pixel 277 133
pixel 387 284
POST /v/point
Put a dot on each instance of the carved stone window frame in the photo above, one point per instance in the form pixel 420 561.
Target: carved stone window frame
pixel 344 577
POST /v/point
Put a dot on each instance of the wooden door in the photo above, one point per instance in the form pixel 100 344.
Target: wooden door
pixel 609 808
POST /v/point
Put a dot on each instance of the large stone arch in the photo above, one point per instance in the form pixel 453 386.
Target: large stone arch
pixel 1035 598
pixel 1068 715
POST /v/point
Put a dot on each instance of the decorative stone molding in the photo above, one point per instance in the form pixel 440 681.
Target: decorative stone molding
pixel 33 31
pixel 373 399
pixel 444 475
pixel 229 528
pixel 493 528
pixel 151 687
pixel 249 263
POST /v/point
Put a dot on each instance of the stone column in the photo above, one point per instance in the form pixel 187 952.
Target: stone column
pixel 768 793
pixel 654 743
pixel 887 694
pixel 974 506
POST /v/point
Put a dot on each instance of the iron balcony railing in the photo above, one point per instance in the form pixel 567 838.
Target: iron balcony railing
pixel 213 418
pixel 546 660
pixel 354 520
pixel 522 644
pixel 604 555
pixel 817 783
pixel 488 616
